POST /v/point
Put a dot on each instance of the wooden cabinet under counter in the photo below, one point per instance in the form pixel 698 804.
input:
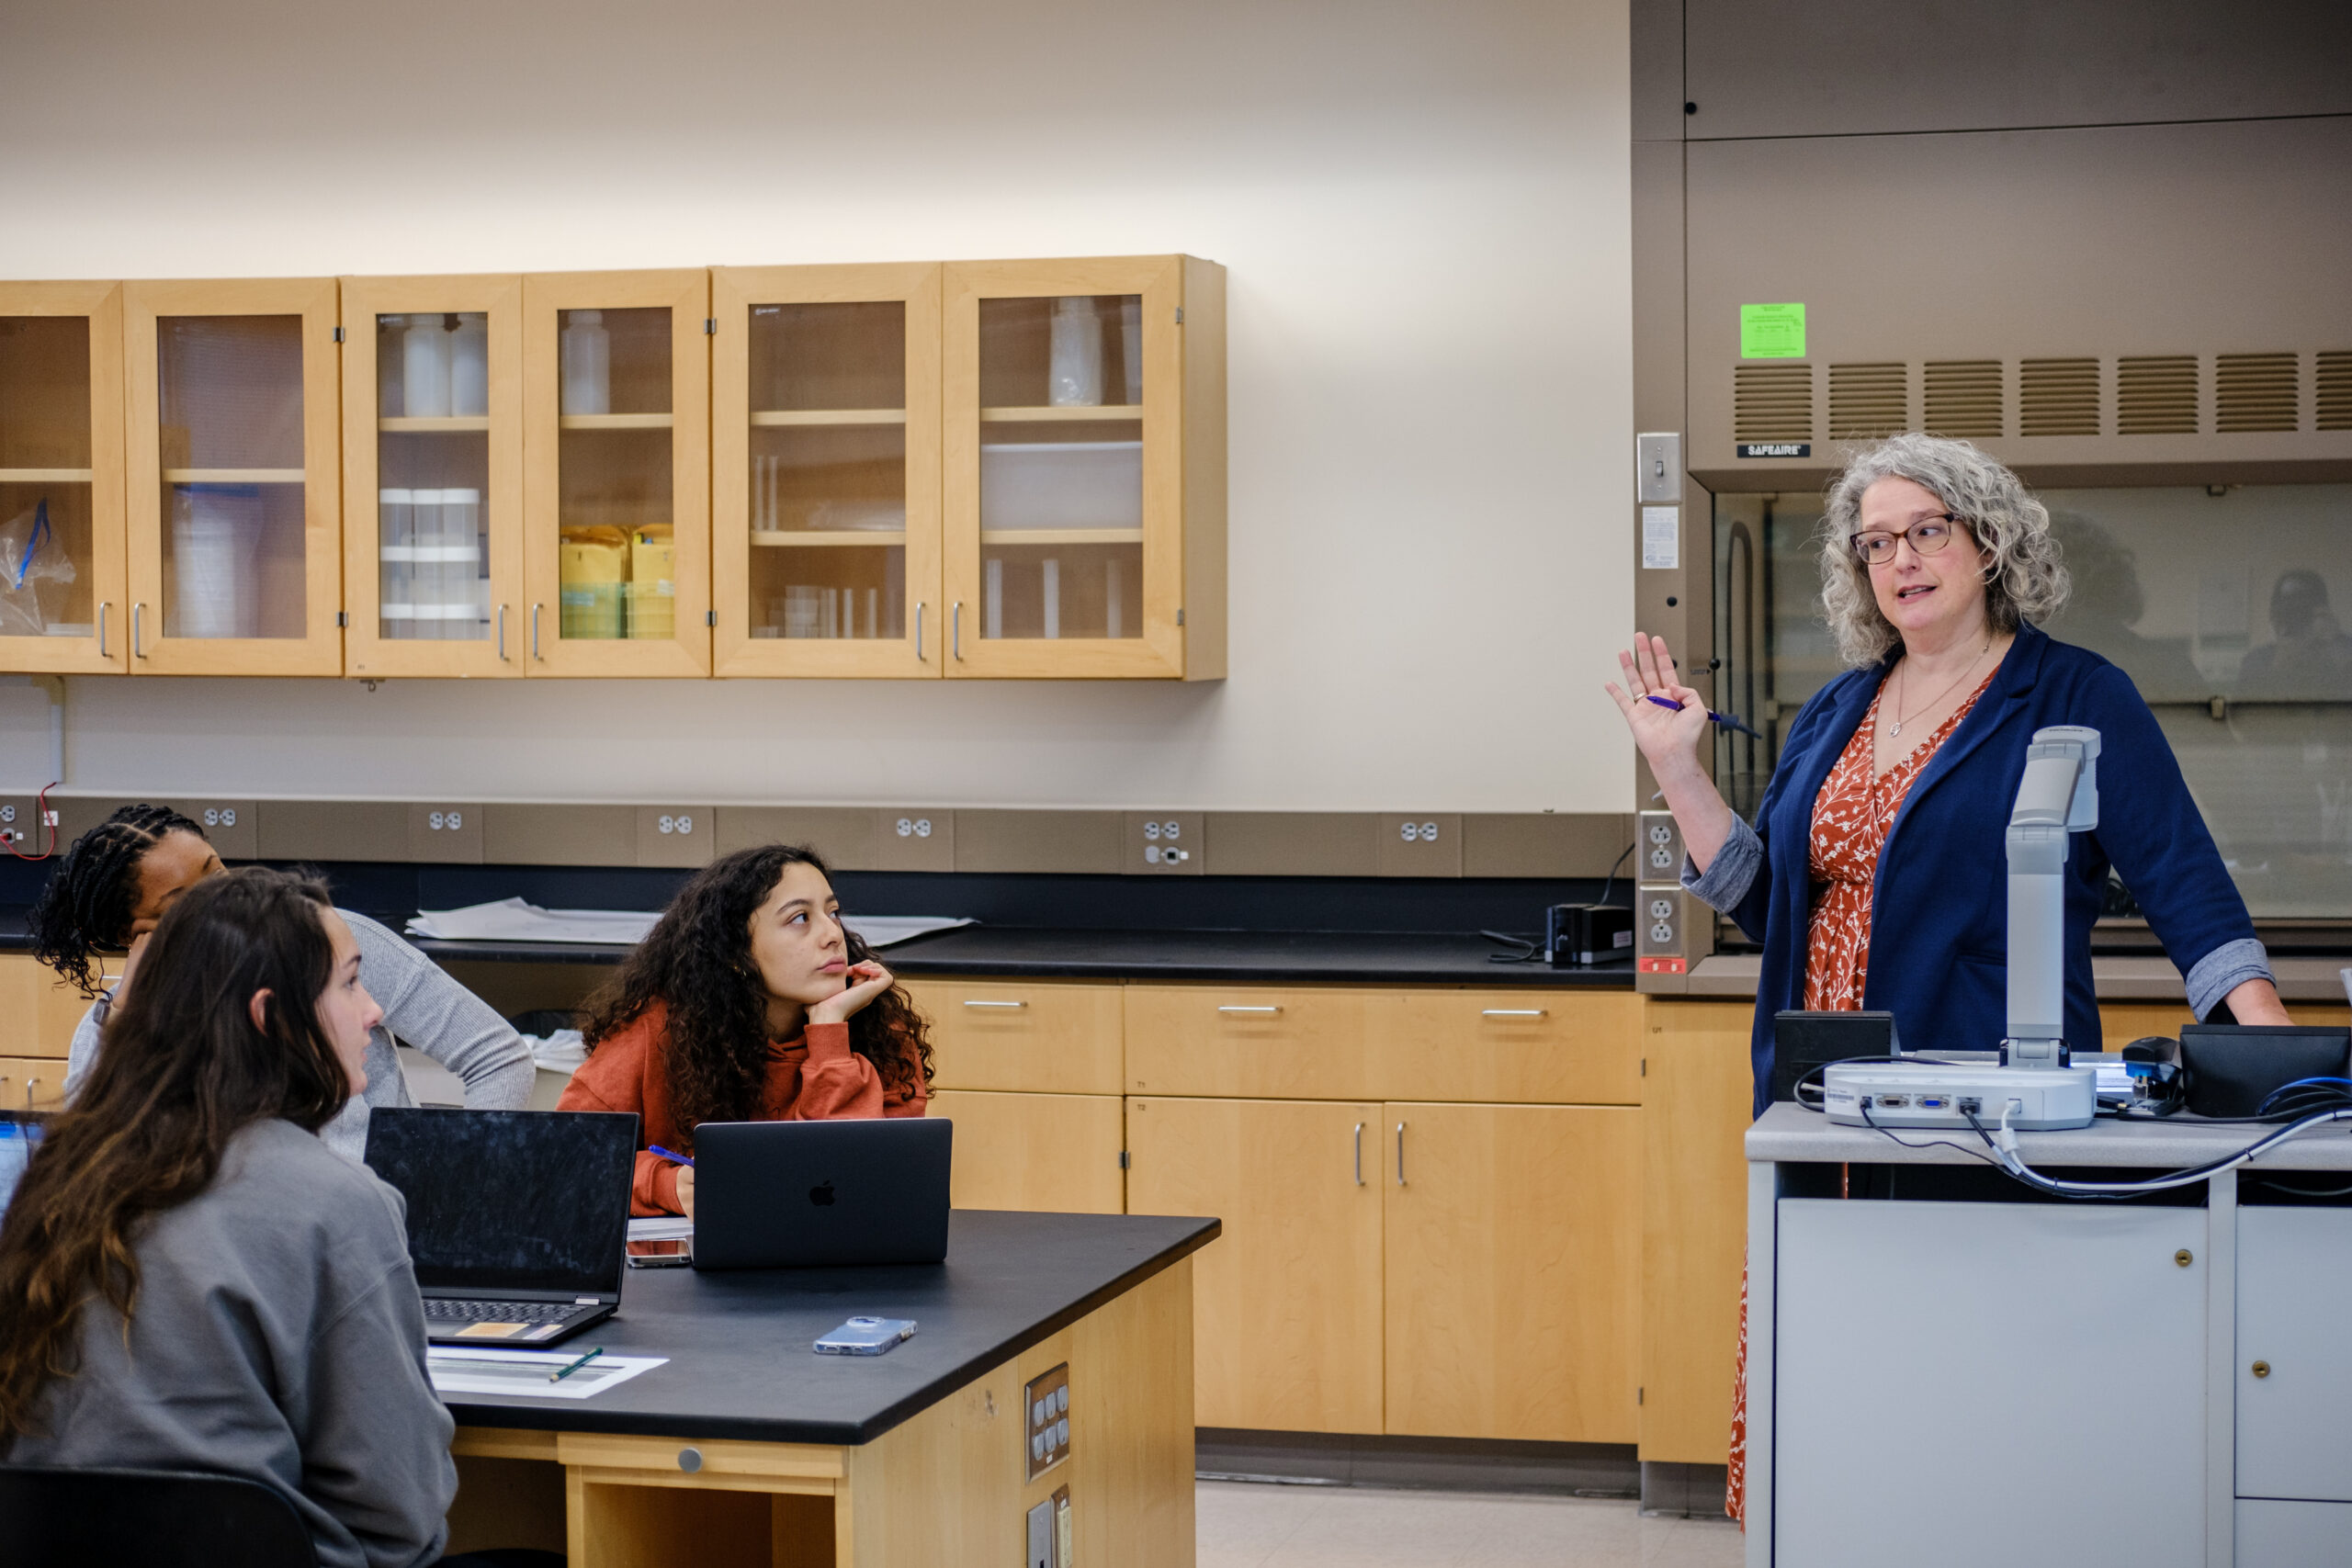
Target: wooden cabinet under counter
pixel 32 1083
pixel 1038 1036
pixel 1057 1153
pixel 1281 1043
pixel 1525 1046
pixel 38 1011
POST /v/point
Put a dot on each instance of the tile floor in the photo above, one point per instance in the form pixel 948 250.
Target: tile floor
pixel 1250 1524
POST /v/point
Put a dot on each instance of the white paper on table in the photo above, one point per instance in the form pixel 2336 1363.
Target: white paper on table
pixel 525 1372
pixel 513 920
pixel 661 1227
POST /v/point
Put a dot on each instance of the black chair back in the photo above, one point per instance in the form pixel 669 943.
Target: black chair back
pixel 157 1518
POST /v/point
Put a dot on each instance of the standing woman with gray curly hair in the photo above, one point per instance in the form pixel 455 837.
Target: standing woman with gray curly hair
pixel 1880 837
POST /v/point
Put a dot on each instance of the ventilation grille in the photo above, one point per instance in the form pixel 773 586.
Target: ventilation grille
pixel 2156 395
pixel 1964 397
pixel 2058 397
pixel 1771 402
pixel 2256 391
pixel 1867 400
pixel 2336 390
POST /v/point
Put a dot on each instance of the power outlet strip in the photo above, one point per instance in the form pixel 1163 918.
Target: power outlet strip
pixel 1934 1096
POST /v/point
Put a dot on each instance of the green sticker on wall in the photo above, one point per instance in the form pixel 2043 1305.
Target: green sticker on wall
pixel 1771 332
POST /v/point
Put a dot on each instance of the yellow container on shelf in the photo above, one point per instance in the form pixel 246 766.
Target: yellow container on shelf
pixel 593 572
pixel 652 584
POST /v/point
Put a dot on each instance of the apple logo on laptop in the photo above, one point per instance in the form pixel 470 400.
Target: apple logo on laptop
pixel 821 1195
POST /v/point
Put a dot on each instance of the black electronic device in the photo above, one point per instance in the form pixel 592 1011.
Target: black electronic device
pixel 1588 933
pixel 2230 1069
pixel 1803 1042
pixel 517 1220
pixel 781 1194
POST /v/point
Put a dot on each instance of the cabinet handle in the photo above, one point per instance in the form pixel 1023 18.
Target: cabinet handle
pixel 2261 1369
pixel 1359 1154
pixel 137 611
pixel 502 634
pixel 919 652
pixel 1263 1010
pixel 956 629
pixel 1511 1012
pixel 535 632
pixel 31 1084
pixel 1401 1153
pixel 974 1004
pixel 103 605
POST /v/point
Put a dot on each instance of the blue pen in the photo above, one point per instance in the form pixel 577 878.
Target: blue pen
pixel 1727 720
pixel 657 1149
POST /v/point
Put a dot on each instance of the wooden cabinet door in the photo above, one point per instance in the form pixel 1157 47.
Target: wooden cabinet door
pixel 1695 1112
pixel 233 456
pixel 1084 467
pixel 616 473
pixel 432 476
pixel 39 1013
pixel 825 470
pixel 31 1083
pixel 61 461
pixel 1058 1153
pixel 1513 1268
pixel 1035 1035
pixel 1286 1302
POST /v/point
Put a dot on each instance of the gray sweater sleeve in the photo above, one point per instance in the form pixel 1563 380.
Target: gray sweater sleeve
pixel 425 1010
pixel 380 1477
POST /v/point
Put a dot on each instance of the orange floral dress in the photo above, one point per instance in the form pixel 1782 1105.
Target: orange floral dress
pixel 1850 819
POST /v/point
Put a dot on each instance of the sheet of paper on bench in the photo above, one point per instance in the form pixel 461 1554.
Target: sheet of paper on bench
pixel 661 1227
pixel 513 920
pixel 525 1371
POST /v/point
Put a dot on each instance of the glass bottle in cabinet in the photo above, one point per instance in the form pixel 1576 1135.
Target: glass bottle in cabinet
pixel 62 593
pixel 616 513
pixel 825 457
pixel 433 444
pixel 1084 472
pixel 234 478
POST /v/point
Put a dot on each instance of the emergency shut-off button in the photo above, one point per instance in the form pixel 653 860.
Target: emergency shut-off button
pixel 689 1460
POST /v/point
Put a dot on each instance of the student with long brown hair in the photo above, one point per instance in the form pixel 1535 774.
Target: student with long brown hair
pixel 190 1279
pixel 748 1001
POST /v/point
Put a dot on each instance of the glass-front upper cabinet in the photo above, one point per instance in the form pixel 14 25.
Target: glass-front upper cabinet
pixel 1084 467
pixel 825 470
pixel 234 483
pixel 616 473
pixel 432 476
pixel 62 594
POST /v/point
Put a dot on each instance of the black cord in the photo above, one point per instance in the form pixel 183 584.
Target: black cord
pixel 1611 882
pixel 1888 1133
pixel 1533 948
pixel 2276 1185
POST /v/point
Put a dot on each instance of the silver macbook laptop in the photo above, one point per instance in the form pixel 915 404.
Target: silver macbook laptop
pixel 785 1194
pixel 517 1220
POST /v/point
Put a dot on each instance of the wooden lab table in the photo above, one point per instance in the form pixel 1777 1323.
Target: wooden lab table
pixel 748 1448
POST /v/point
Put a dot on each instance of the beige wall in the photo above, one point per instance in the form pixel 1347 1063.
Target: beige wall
pixel 1423 208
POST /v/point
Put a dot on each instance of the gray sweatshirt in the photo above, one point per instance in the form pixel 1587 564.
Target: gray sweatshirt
pixel 277 1336
pixel 425 1008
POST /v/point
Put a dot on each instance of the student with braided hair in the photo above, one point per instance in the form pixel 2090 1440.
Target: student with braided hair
pixel 118 879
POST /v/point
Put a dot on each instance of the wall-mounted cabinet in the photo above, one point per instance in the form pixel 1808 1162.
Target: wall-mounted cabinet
pixel 235 502
pixel 1084 483
pixel 616 473
pixel 63 591
pixel 825 470
pixel 433 475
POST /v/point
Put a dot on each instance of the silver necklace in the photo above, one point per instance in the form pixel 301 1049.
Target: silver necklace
pixel 1897 730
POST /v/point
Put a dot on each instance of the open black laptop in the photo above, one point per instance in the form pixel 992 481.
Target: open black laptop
pixel 775 1194
pixel 517 1220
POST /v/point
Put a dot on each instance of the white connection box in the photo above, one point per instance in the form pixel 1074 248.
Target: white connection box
pixel 1923 1094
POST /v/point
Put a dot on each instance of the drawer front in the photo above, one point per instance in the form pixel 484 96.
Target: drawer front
pixel 697 1458
pixel 1023 1035
pixel 1255 1042
pixel 38 1012
pixel 32 1083
pixel 1523 1046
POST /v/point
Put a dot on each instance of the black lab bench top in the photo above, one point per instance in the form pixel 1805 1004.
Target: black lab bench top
pixel 737 1341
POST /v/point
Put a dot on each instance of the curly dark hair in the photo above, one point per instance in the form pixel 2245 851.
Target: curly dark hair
pixel 85 909
pixel 696 962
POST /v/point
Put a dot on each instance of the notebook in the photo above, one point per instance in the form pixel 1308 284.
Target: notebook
pixel 517 1220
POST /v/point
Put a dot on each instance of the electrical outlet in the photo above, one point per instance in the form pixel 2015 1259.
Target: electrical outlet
pixel 1164 843
pixel 1658 931
pixel 1658 847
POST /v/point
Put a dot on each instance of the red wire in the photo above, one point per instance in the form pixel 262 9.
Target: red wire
pixel 40 816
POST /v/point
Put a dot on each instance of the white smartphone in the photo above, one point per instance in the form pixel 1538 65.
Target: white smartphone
pixel 866 1337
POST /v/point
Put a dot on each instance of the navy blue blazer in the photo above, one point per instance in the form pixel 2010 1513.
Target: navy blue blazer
pixel 1939 905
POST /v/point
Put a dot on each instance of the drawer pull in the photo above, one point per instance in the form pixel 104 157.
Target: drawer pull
pixel 1359 1154
pixel 690 1460
pixel 974 1004
pixel 2262 1369
pixel 1511 1012
pixel 1254 1009
pixel 1401 1153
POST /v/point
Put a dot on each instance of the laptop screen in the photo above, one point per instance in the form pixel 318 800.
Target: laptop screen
pixel 509 1199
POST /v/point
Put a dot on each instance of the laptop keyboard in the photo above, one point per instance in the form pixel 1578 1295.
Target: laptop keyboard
pixel 437 1310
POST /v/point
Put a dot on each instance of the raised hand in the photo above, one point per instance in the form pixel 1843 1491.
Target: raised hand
pixel 1667 736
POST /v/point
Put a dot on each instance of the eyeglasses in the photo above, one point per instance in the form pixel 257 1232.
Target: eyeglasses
pixel 1929 536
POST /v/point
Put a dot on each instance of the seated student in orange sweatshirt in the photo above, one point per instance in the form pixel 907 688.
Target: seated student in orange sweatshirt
pixel 748 1001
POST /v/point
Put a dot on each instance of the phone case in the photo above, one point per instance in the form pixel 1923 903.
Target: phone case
pixel 866 1336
